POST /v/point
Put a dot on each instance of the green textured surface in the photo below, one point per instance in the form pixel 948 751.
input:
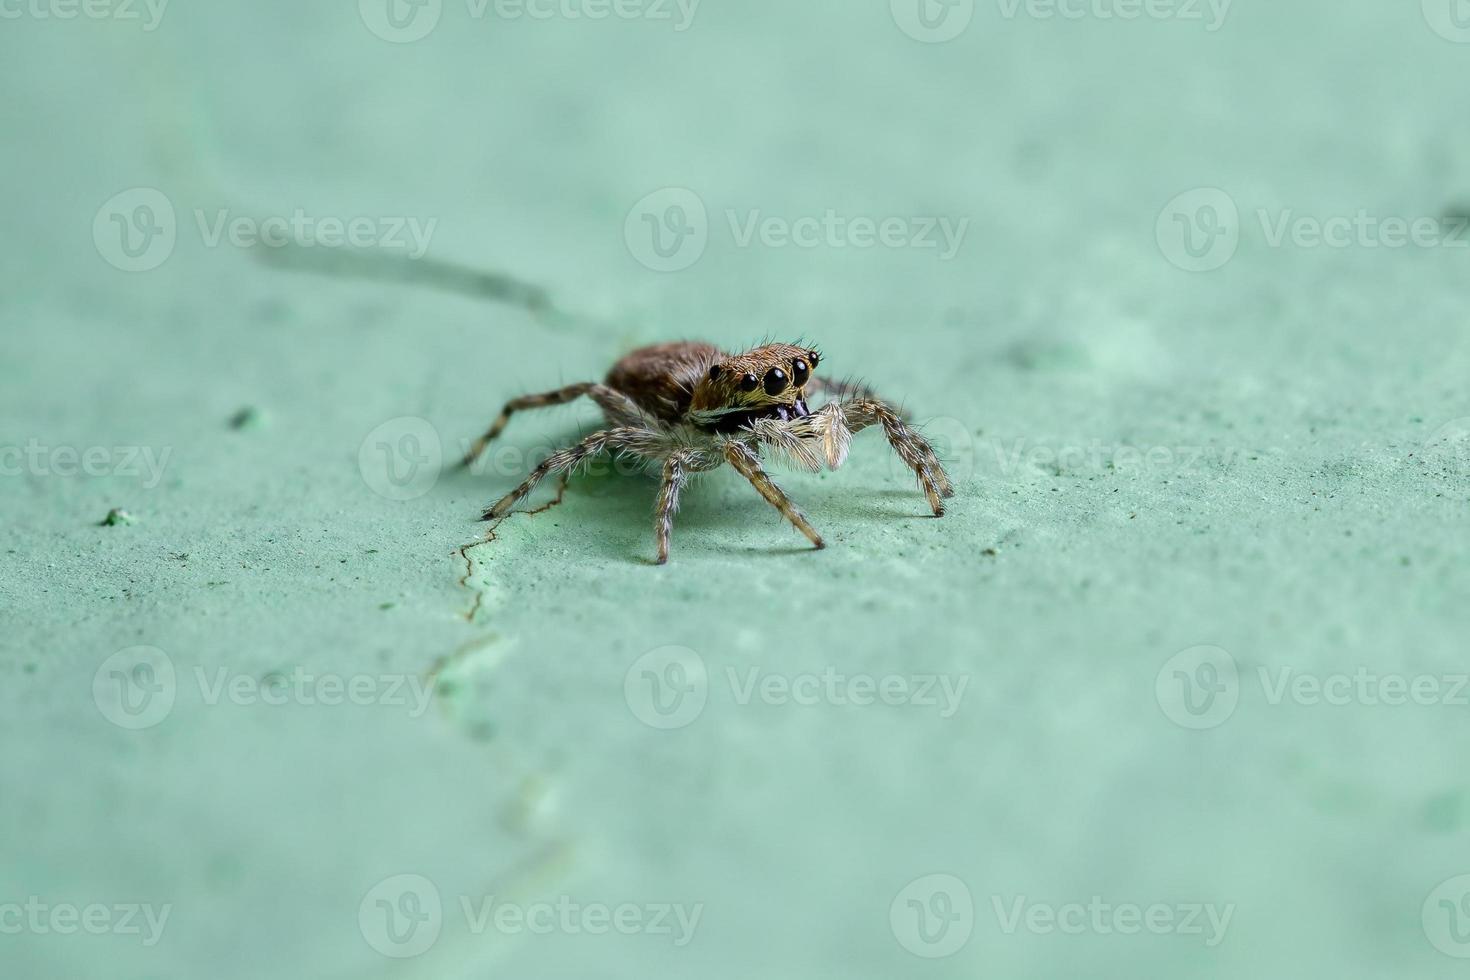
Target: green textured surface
pixel 1269 458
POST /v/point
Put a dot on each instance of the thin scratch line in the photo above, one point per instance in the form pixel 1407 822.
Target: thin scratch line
pixel 490 535
pixel 469 570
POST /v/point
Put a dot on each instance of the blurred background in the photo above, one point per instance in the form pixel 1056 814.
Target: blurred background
pixel 1177 688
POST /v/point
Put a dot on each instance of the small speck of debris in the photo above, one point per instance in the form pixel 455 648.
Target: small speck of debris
pixel 118 516
pixel 247 418
pixel 387 605
pixel 29 668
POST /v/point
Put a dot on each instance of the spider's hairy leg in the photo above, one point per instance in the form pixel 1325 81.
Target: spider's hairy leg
pixel 619 408
pixel 635 442
pixel 543 400
pixel 911 447
pixel 676 475
pixel 748 464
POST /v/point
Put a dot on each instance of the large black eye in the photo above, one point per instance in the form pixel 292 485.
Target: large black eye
pixel 749 383
pixel 776 381
pixel 800 372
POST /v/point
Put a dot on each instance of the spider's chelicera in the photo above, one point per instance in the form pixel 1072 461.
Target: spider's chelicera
pixel 689 408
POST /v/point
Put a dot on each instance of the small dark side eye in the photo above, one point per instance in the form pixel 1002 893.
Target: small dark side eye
pixel 814 358
pixel 715 372
pixel 749 383
pixel 776 381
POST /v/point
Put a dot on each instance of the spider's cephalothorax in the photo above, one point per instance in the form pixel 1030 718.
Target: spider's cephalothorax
pixel 767 383
pixel 689 407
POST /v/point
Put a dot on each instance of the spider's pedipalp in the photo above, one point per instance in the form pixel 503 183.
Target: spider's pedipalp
pixel 790 444
pixel 829 425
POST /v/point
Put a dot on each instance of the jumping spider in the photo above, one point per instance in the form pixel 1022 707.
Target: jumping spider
pixel 690 408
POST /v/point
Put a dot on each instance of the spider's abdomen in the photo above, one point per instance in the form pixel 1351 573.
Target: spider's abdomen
pixel 661 378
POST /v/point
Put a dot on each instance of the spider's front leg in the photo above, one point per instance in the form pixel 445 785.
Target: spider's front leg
pixel 638 442
pixel 911 447
pixel 748 463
